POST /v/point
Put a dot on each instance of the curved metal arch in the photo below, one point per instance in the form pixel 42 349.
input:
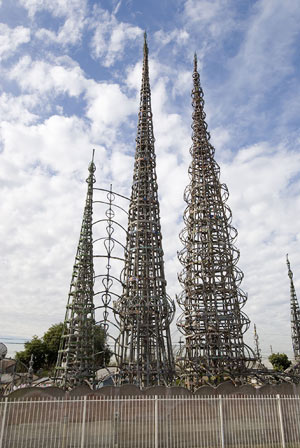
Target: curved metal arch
pixel 108 220
pixel 113 192
pixel 104 238
pixel 113 205
pixel 107 281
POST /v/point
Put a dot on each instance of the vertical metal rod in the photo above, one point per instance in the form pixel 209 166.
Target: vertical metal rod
pixel 156 422
pixel 280 420
pixel 13 409
pixel 221 422
pixel 3 422
pixel 83 422
pixel 116 422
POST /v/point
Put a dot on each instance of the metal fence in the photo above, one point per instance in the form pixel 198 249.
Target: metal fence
pixel 151 422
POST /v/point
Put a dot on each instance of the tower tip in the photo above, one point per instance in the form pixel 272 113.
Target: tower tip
pixel 195 61
pixel 92 167
pixel 145 43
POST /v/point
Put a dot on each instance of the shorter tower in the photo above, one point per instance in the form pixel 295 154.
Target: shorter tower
pixel 211 300
pixel 258 357
pixel 295 314
pixel 75 362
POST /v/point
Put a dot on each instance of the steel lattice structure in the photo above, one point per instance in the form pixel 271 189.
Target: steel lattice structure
pixel 258 357
pixel 212 320
pixel 145 310
pixel 109 251
pixel 75 362
pixel 295 315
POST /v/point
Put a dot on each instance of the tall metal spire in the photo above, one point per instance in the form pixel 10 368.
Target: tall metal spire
pixel 75 362
pixel 295 314
pixel 212 321
pixel 145 310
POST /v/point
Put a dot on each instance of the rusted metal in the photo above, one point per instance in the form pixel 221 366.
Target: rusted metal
pixel 145 310
pixel 212 321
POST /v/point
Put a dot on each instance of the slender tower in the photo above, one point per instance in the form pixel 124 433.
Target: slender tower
pixel 145 310
pixel 258 357
pixel 295 315
pixel 211 300
pixel 75 362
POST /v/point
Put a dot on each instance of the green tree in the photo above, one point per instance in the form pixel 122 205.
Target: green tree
pixel 35 347
pixel 52 339
pixel 45 349
pixel 279 361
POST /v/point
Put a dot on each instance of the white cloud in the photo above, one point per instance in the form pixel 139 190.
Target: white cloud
pixel 263 59
pixel 182 83
pixel 73 11
pixel 105 104
pixel 108 104
pixel 203 10
pixel 220 137
pixel 111 37
pixel 179 36
pixel 57 8
pixel 42 173
pixel 43 77
pixel 11 39
pixel 68 34
pixel 215 17
pixel 47 143
pixel 265 210
pixel 18 109
pixel 107 108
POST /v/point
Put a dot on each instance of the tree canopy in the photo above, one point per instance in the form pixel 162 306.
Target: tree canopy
pixel 45 349
pixel 279 361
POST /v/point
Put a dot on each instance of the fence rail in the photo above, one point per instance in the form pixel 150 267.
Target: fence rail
pixel 151 422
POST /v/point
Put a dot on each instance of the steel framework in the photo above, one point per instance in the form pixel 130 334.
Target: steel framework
pixel 75 362
pixel 295 315
pixel 258 361
pixel 109 251
pixel 145 311
pixel 211 300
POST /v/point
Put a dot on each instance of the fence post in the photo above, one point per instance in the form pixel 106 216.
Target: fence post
pixel 3 422
pixel 221 422
pixel 156 422
pixel 83 422
pixel 280 420
pixel 116 421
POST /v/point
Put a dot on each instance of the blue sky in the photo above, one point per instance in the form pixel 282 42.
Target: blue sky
pixel 70 76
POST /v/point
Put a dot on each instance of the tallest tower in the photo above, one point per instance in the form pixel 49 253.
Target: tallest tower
pixel 145 310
